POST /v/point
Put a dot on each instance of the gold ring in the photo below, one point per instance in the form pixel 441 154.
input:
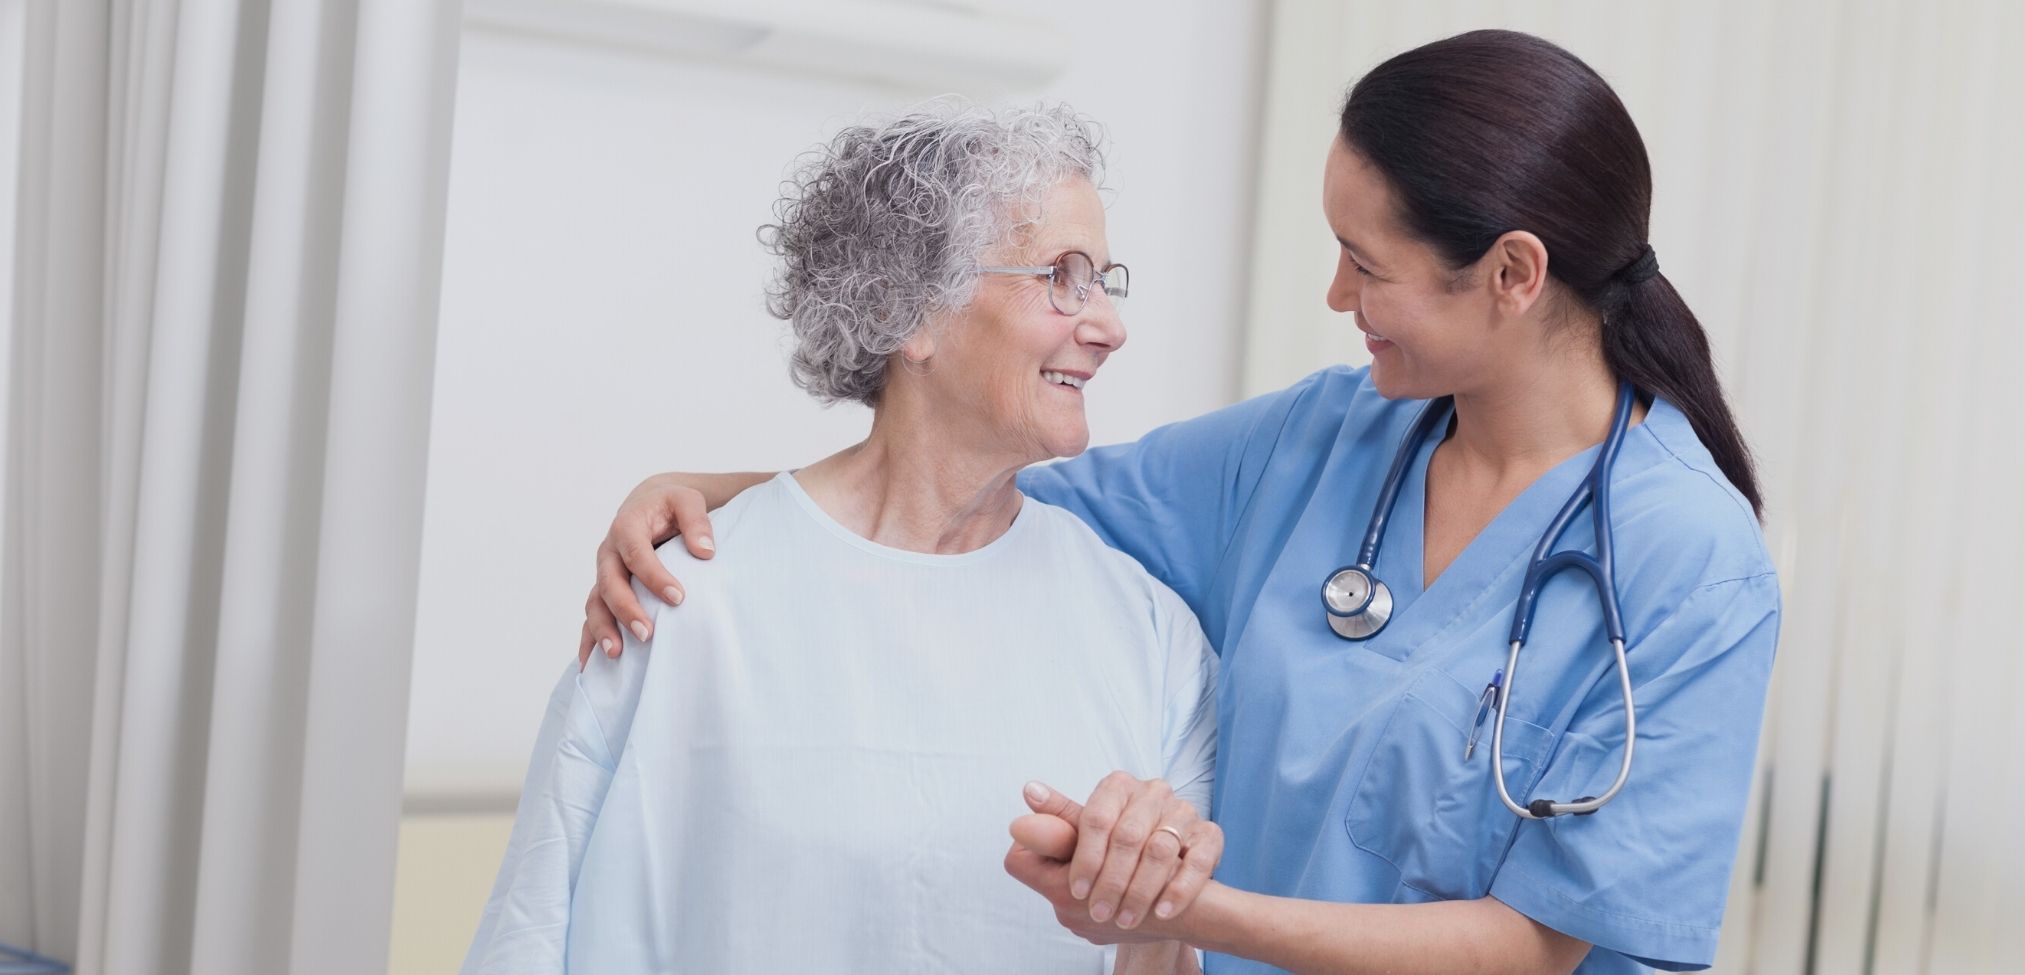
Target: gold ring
pixel 1178 838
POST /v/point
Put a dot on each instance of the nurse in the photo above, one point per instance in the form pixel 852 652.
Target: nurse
pixel 1490 199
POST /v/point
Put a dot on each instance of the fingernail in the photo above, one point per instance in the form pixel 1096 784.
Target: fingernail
pixel 673 595
pixel 1080 889
pixel 606 646
pixel 640 630
pixel 1100 912
pixel 1164 910
pixel 703 542
pixel 1126 919
pixel 1038 793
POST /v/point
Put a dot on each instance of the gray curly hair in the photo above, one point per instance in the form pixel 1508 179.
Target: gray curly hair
pixel 883 227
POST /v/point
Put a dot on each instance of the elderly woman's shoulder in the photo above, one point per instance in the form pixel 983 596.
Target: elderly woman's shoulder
pixel 1340 395
pixel 731 528
pixel 1072 544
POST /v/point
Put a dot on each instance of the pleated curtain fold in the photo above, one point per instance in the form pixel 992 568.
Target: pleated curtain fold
pixel 228 252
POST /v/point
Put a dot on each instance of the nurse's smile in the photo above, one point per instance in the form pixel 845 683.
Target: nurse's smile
pixel 1373 342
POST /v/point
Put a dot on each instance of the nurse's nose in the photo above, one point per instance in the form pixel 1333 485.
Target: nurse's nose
pixel 1346 288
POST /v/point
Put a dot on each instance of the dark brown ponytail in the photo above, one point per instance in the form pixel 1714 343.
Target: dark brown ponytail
pixel 1494 131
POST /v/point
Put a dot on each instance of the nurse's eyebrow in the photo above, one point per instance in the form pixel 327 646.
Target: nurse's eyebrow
pixel 1358 252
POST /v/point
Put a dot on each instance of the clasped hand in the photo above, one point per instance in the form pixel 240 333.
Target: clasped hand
pixel 1123 867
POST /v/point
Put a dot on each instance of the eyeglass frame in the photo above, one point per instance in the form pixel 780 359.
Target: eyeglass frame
pixel 1048 271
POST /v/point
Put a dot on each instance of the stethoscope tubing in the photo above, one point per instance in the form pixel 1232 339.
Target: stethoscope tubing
pixel 1434 412
pixel 1594 491
pixel 1365 621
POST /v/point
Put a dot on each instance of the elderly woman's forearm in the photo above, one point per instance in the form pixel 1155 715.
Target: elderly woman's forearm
pixel 1315 937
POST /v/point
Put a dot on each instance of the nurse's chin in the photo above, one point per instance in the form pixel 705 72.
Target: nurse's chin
pixel 1391 385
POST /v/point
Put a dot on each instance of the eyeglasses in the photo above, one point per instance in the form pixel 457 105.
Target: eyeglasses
pixel 1071 277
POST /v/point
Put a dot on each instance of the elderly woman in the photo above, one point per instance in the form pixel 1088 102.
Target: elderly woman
pixel 808 769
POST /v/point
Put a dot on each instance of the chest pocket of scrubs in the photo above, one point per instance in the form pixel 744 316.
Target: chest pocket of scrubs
pixel 1427 811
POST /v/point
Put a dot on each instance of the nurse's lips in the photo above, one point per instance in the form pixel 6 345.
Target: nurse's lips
pixel 1375 342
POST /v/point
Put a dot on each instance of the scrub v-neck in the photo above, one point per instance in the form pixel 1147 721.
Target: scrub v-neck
pixel 1421 612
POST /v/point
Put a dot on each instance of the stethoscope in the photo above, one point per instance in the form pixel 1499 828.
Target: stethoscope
pixel 1359 605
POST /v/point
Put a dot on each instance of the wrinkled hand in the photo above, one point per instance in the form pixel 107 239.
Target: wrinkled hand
pixel 1103 864
pixel 657 510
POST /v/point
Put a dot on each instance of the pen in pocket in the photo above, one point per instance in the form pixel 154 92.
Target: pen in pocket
pixel 1484 704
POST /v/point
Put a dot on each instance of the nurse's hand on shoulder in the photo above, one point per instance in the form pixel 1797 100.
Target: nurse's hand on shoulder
pixel 660 508
pixel 1114 868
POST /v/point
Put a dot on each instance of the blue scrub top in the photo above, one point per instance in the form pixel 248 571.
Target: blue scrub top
pixel 1341 774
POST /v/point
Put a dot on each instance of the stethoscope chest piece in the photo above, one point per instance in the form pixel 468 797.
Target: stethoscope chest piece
pixel 1358 604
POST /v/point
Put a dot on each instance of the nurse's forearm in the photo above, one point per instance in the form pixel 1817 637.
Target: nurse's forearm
pixel 1313 937
pixel 717 489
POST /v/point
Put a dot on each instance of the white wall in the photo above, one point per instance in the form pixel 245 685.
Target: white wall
pixel 602 320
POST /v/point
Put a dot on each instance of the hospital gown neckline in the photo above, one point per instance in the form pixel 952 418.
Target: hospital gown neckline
pixel 1006 540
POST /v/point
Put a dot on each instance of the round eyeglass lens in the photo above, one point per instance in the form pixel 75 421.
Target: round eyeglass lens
pixel 1071 287
pixel 1117 281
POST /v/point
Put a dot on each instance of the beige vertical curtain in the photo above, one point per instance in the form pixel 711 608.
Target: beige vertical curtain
pixel 1837 195
pixel 227 256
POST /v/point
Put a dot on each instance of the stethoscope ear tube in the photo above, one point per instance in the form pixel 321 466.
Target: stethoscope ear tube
pixel 1594 491
pixel 1548 808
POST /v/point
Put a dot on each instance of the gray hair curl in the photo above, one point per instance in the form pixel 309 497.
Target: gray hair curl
pixel 883 227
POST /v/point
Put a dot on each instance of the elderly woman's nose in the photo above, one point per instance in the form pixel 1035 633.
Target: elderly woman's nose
pixel 1100 325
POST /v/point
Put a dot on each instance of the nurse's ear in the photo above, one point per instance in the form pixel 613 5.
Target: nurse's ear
pixel 1514 269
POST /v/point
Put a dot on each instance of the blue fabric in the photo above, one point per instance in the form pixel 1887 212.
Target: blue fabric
pixel 1341 774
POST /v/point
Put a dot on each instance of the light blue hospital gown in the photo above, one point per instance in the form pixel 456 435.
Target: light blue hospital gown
pixel 1342 775
pixel 812 766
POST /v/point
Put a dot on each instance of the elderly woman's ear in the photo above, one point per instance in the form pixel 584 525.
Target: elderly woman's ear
pixel 919 347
